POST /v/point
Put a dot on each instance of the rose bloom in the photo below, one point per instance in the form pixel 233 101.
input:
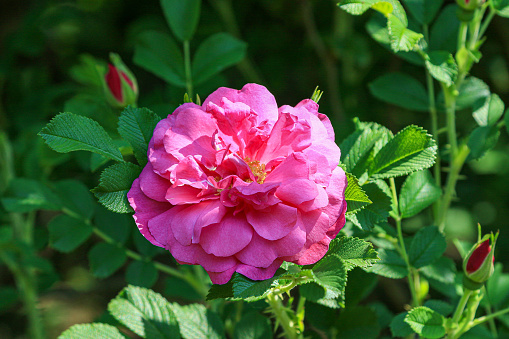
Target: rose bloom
pixel 238 185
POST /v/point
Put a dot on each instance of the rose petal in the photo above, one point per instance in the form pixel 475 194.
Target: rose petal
pixel 297 191
pixel 295 166
pixel 153 185
pixel 221 278
pixel 256 273
pixel 228 237
pixel 273 223
pixel 320 201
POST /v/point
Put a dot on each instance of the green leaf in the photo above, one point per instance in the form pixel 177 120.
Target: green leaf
pixel 145 312
pixel 376 212
pixel 330 273
pixel 221 291
pixel 136 125
pixel 402 38
pixel 114 184
pixel 141 273
pixel 386 7
pixel 442 270
pixel 424 11
pixel 76 197
pixel 144 246
pixel 8 297
pixel 182 17
pixel 426 322
pixel 117 226
pixel 25 195
pixel 215 54
pixel 427 245
pixel 418 192
pixel 92 331
pixel 497 287
pixel 180 289
pixel 412 149
pixel 355 197
pixel 442 66
pixel 501 7
pixel 439 306
pixel 488 112
pixel 354 252
pixel 481 140
pixel 253 326
pixel 399 328
pixel 253 289
pixel 67 233
pixel 157 53
pixel 444 31
pixel 358 322
pixel 69 132
pixel 390 265
pixel 105 259
pixel 197 322
pixel 401 90
pixel 471 91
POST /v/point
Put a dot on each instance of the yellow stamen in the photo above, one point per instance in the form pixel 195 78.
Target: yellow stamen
pixel 257 169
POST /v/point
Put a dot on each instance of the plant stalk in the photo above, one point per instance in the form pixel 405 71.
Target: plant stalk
pixel 187 65
pixel 280 312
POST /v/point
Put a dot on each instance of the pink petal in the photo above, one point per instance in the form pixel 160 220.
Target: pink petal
pixel 179 195
pixel 256 273
pixel 295 166
pixel 221 278
pixel 228 237
pixel 189 172
pixel 257 97
pixel 153 185
pixel 312 107
pixel 321 200
pixel 297 191
pixel 336 193
pixel 273 223
pixel 144 210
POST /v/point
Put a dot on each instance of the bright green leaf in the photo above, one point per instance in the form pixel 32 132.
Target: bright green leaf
pixel 401 90
pixel 141 273
pixel 439 306
pixel 386 7
pixel 145 312
pixel 399 328
pixel 354 252
pixel 182 17
pixel 215 54
pixel 197 322
pixel 427 245
pixel 355 197
pixel 105 259
pixel 402 38
pixel 501 7
pixel 488 112
pixel 412 149
pixel 253 289
pixel 67 233
pixel 70 132
pixel 424 11
pixel 390 265
pixel 426 322
pixel 92 331
pixel 442 270
pixel 418 192
pixel 481 140
pixel 330 273
pixel 471 91
pixel 253 326
pixel 442 66
pixel 114 184
pixel 376 212
pixel 136 125
pixel 157 53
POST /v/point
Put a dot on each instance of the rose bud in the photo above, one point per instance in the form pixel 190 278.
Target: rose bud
pixel 120 84
pixel 469 5
pixel 478 263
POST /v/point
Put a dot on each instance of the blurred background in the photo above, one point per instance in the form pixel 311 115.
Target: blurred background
pixel 292 46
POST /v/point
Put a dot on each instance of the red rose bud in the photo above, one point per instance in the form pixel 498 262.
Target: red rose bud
pixel 478 263
pixel 469 5
pixel 120 84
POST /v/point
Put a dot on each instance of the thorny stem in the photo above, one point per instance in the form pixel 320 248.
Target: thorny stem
pixel 397 217
pixel 280 312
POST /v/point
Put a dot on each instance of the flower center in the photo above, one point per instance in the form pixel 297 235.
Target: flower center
pixel 257 169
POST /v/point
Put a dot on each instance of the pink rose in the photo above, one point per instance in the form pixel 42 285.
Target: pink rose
pixel 238 185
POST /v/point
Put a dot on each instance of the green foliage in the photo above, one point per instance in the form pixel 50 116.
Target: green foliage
pixel 116 226
pixel 254 290
pixel 252 325
pixel 376 212
pixel 424 11
pixel 402 90
pixel 390 265
pixel 481 140
pixel 444 32
pixel 92 331
pixel 145 312
pixel 472 90
pixel 76 197
pixel 70 132
pixel 141 273
pixel 439 306
pixel 399 327
pixel 402 38
pixel 215 54
pixel 67 233
pixel 489 111
pixel 358 322
pixel 157 53
pixel 442 66
pixel 355 196
pixel 136 125
pixel 418 192
pixel 25 195
pixel 105 259
pixel 427 246
pixel 501 7
pixel 443 270
pixel 114 184
pixel 182 17
pixel 426 322
pixel 412 149
pixel 197 322
pixel 354 252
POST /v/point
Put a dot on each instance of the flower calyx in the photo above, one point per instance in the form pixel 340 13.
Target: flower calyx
pixel 478 264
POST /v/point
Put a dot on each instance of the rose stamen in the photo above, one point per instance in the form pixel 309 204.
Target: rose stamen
pixel 257 169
